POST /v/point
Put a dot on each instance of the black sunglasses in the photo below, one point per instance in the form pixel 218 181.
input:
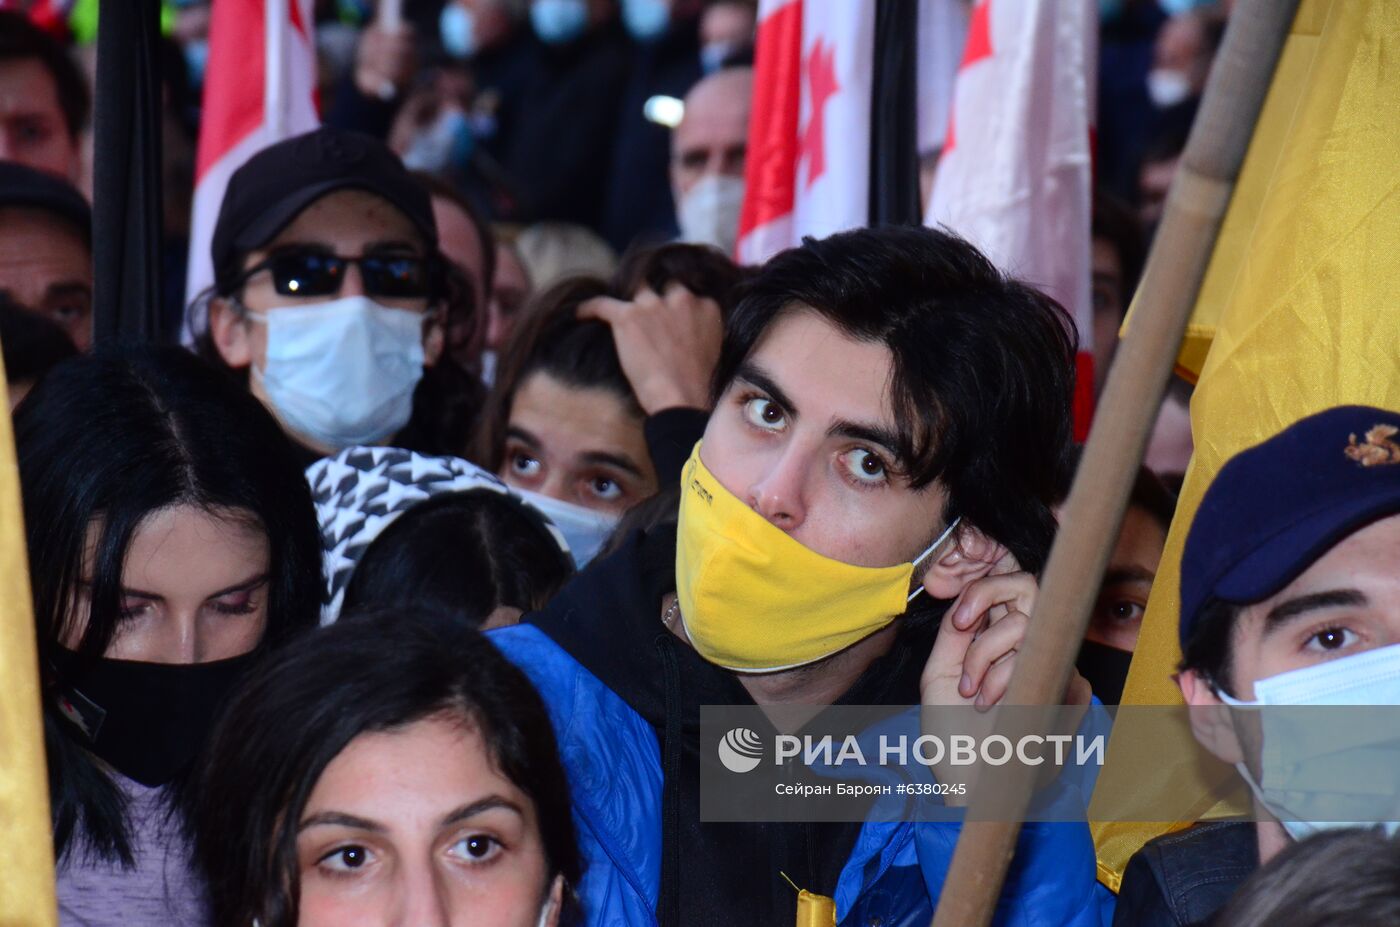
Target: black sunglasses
pixel 316 273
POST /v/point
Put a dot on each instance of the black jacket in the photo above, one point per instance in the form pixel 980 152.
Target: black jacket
pixel 556 147
pixel 1184 878
pixel 671 435
pixel 639 204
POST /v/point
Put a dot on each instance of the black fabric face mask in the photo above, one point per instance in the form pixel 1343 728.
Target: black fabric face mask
pixel 1106 668
pixel 147 720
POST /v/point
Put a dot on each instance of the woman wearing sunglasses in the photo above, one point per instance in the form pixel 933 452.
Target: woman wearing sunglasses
pixel 327 288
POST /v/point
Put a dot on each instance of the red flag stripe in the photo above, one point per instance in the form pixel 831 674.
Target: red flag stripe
pixel 234 80
pixel 770 175
pixel 978 47
pixel 979 35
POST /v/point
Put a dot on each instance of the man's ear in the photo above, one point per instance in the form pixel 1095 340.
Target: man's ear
pixel 967 556
pixel 228 329
pixel 1211 723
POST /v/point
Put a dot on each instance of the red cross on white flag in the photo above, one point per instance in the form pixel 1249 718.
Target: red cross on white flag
pixel 1016 175
pixel 260 87
pixel 809 136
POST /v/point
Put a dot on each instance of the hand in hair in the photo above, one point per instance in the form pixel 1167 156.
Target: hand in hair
pixel 974 655
pixel 668 345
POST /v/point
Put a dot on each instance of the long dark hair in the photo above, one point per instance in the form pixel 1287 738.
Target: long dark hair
pixel 550 338
pixel 301 707
pixel 108 439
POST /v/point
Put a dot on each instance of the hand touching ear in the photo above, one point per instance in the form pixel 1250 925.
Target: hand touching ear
pixel 974 657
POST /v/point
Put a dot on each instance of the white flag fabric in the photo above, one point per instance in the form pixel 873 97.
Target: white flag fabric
pixel 942 34
pixel 833 167
pixel 808 168
pixel 259 88
pixel 1016 175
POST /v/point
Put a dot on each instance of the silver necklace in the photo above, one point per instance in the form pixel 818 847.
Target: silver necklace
pixel 669 619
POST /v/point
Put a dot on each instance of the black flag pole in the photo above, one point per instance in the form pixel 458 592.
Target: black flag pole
pixel 894 157
pixel 126 176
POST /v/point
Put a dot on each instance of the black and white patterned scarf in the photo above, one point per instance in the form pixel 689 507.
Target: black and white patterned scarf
pixel 360 491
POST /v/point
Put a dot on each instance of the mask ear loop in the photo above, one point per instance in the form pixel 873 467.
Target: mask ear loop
pixel 241 308
pixel 1241 767
pixel 248 317
pixel 1219 692
pixel 947 532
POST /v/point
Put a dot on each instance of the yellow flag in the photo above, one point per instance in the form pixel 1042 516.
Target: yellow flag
pixel 26 837
pixel 1299 312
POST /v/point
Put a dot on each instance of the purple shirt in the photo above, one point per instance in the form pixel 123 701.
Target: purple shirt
pixel 163 888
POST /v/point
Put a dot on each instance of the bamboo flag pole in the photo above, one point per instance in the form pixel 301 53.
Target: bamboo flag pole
pixel 1195 208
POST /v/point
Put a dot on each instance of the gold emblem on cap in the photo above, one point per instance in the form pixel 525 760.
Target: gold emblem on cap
pixel 1377 450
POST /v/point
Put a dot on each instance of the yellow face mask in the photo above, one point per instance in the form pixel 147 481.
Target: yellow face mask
pixel 756 601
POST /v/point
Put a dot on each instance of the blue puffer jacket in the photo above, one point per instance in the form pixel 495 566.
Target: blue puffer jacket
pixel 894 873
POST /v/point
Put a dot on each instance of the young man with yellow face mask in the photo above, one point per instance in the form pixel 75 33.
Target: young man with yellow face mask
pixel 860 525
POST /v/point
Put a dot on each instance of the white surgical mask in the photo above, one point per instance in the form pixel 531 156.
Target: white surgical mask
pixel 709 213
pixel 646 19
pixel 558 22
pixel 1177 7
pixel 457 30
pixel 1167 88
pixel 443 144
pixel 1300 759
pixel 585 530
pixel 714 54
pixel 196 60
pixel 342 373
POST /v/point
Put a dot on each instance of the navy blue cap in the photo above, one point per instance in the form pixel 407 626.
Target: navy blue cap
pixel 276 184
pixel 1276 508
pixel 25 186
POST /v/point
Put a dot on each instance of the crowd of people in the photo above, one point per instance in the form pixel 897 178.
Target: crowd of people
pixel 396 597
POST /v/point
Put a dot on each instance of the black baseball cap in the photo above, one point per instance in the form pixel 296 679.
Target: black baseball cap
pixel 277 183
pixel 1276 508
pixel 34 189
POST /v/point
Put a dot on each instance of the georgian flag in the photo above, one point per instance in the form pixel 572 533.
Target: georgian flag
pixel 1016 174
pixel 808 163
pixel 259 88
